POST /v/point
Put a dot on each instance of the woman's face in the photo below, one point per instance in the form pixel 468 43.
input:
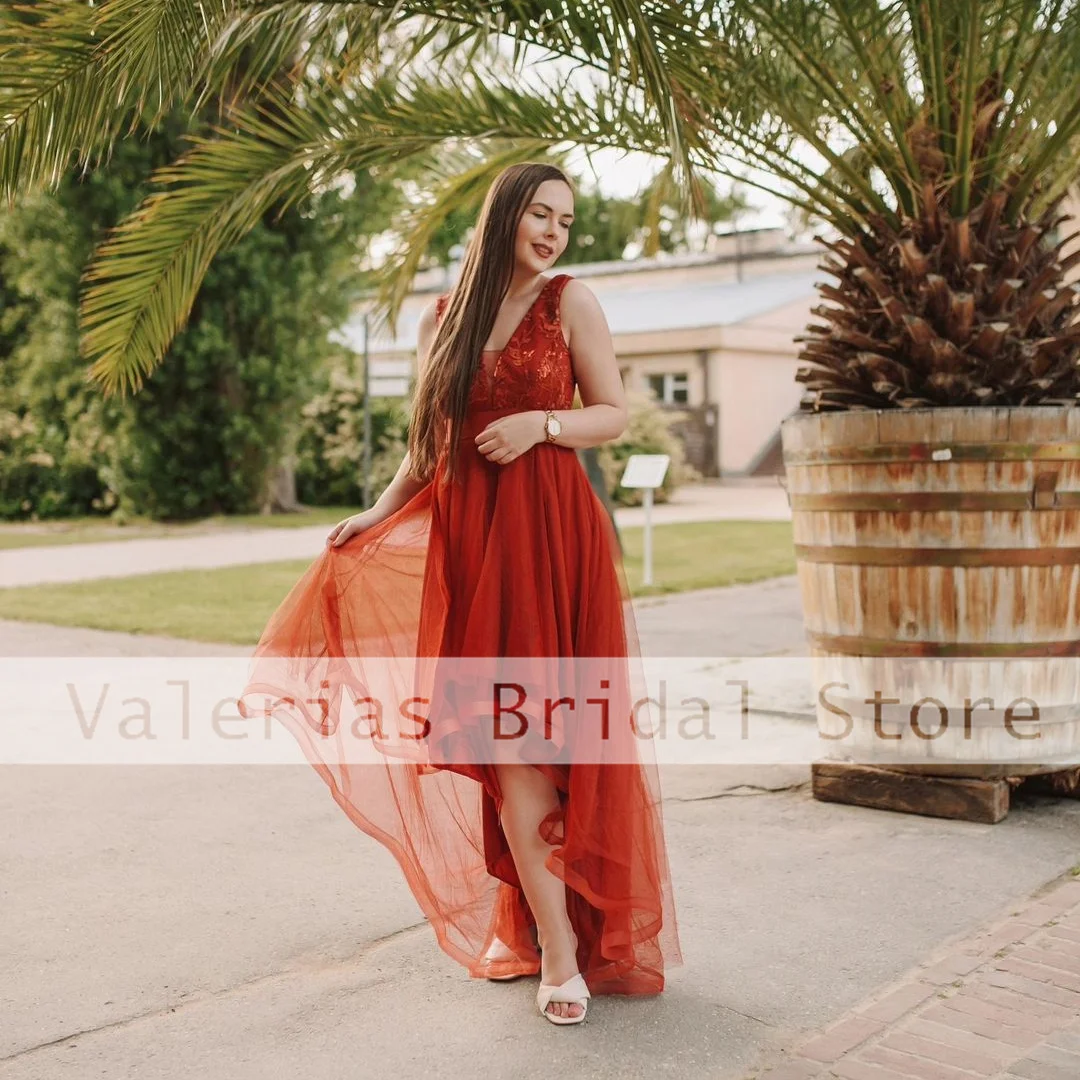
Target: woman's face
pixel 544 229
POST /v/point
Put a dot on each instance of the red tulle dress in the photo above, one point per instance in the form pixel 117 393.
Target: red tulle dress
pixel 515 560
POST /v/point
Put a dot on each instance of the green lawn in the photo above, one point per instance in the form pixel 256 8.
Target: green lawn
pixel 703 554
pixel 231 605
pixel 90 530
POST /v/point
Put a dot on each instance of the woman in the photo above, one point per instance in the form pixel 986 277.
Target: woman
pixel 490 543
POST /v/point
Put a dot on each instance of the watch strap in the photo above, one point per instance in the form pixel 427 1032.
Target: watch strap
pixel 550 415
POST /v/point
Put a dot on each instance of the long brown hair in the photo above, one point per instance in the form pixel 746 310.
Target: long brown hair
pixel 442 394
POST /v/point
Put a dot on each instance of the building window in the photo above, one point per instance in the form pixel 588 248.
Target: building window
pixel 670 388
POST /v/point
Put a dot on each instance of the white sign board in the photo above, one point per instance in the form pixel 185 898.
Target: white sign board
pixel 388 387
pixel 645 470
pixel 390 369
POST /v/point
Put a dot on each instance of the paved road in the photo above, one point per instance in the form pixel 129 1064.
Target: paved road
pixel 197 922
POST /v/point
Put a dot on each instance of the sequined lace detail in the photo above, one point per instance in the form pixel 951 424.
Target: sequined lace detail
pixel 534 370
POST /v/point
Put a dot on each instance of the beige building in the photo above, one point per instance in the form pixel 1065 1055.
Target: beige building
pixel 711 336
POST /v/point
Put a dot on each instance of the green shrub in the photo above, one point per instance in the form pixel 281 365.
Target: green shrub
pixel 330 450
pixel 648 432
pixel 212 423
pixel 43 475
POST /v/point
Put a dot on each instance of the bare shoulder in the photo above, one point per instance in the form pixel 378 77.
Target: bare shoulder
pixel 428 319
pixel 577 296
pixel 425 333
pixel 580 309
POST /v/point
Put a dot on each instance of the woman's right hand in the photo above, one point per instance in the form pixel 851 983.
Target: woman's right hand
pixel 351 526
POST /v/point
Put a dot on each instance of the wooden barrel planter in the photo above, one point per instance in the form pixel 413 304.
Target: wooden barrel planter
pixel 926 536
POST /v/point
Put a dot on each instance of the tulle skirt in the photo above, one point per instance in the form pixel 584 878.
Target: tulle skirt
pixel 516 563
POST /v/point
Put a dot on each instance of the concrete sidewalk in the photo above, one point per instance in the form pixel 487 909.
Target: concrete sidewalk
pixel 193 922
pixel 758 501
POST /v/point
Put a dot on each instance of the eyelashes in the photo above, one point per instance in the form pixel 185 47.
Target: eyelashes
pixel 564 224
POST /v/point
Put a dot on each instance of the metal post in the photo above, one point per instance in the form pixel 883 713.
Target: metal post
pixel 367 419
pixel 646 578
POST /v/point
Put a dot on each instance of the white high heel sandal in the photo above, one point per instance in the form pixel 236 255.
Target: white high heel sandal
pixel 488 956
pixel 575 991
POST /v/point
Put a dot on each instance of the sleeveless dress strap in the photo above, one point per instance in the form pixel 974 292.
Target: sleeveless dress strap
pixel 555 288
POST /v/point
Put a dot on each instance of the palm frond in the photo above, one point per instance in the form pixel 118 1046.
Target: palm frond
pixel 655 48
pixel 72 75
pixel 808 67
pixel 256 44
pixel 145 277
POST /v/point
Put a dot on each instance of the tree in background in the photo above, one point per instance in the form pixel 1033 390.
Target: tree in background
pixel 664 228
pixel 209 431
pixel 216 429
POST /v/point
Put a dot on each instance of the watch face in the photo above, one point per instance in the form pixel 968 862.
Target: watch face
pixel 553 425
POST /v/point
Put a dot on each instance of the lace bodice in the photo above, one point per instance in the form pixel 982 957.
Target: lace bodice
pixel 534 370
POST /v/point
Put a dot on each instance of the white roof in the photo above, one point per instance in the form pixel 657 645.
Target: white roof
pixel 646 307
pixel 691 305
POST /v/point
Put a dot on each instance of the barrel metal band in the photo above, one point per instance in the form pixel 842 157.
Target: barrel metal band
pixel 854 645
pixel 906 502
pixel 934 453
pixel 862 555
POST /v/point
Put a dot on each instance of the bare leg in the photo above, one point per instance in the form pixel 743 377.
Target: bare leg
pixel 528 796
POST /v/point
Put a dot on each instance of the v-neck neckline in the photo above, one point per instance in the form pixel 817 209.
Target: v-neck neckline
pixel 521 322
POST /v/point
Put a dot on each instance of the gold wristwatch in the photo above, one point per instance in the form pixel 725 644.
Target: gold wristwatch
pixel 552 427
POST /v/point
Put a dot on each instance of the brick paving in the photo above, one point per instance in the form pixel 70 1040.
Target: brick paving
pixel 1002 1004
